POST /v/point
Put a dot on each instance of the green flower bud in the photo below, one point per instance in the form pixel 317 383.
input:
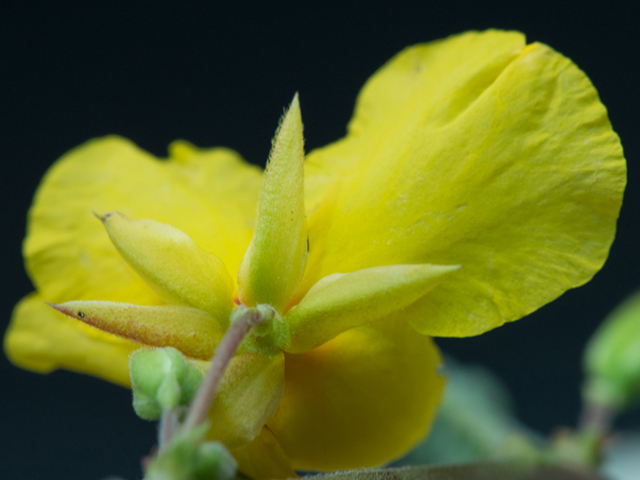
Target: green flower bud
pixel 189 457
pixel 612 358
pixel 214 462
pixel 161 379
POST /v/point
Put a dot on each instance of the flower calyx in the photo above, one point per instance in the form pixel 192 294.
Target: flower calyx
pixel 269 334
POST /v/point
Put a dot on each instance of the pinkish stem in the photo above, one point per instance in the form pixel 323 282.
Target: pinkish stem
pixel 167 427
pixel 597 417
pixel 242 321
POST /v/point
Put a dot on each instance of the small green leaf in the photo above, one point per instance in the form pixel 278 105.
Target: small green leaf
pixel 612 358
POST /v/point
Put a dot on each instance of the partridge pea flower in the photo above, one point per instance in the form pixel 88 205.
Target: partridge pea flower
pixel 479 179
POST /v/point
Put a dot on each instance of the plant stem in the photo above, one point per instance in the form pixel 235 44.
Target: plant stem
pixel 167 428
pixel 597 417
pixel 242 321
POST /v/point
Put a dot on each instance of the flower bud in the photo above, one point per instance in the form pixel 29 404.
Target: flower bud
pixel 188 457
pixel 214 462
pixel 161 379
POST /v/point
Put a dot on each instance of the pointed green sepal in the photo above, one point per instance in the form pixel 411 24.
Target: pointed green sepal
pixel 276 258
pixel 172 264
pixel 156 326
pixel 161 379
pixel 340 301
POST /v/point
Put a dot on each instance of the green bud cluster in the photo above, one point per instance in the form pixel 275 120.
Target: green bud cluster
pixel 188 457
pixel 161 379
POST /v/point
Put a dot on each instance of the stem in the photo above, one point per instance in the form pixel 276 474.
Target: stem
pixel 242 321
pixel 597 417
pixel 167 427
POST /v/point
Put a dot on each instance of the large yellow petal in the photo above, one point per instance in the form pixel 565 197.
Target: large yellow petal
pixel 479 151
pixel 263 459
pixel 430 82
pixel 208 194
pixel 42 339
pixel 359 400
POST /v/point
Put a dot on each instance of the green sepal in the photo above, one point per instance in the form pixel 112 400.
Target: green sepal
pixel 275 261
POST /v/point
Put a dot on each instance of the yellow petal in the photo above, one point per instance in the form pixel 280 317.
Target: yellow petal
pixel 194 332
pixel 208 194
pixel 42 340
pixel 173 264
pixel 275 260
pixel 263 459
pixel 425 84
pixel 359 400
pixel 474 150
pixel 342 301
pixel 249 394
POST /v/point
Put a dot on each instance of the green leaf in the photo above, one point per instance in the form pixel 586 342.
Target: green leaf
pixel 486 471
pixel 612 358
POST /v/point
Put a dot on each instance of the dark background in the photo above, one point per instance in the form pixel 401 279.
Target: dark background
pixel 221 75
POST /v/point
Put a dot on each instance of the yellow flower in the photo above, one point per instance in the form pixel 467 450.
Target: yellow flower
pixel 476 151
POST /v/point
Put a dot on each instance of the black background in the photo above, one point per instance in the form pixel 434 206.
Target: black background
pixel 221 75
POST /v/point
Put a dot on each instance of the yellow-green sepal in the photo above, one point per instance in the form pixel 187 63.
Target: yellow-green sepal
pixel 276 258
pixel 248 396
pixel 340 301
pixel 155 326
pixel 172 264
